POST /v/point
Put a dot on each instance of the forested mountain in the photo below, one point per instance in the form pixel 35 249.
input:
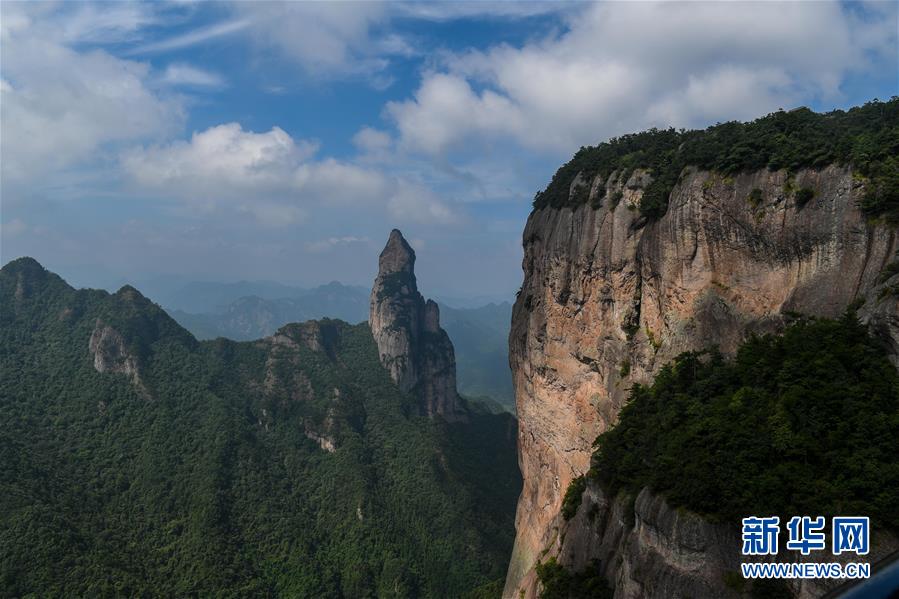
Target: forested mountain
pixel 480 335
pixel 136 460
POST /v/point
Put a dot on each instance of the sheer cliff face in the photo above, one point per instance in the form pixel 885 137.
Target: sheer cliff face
pixel 646 548
pixel 608 299
pixel 413 348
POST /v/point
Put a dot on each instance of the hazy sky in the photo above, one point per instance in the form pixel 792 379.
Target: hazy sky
pixel 283 141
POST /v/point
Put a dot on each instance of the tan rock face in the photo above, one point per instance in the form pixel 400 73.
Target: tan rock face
pixel 413 348
pixel 111 355
pixel 608 299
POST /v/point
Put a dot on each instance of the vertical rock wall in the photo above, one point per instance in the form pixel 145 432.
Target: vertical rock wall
pixel 413 348
pixel 608 299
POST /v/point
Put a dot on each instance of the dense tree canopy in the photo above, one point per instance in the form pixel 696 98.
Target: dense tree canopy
pixel 804 423
pixel 867 137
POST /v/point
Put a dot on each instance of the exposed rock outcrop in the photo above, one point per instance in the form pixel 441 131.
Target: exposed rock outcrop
pixel 646 548
pixel 413 348
pixel 608 299
pixel 111 354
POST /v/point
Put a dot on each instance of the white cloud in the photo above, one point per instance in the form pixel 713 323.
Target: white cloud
pixel 61 106
pixel 325 39
pixel 273 177
pixel 106 23
pixel 185 74
pixel 225 160
pixel 372 141
pixel 195 37
pixel 325 245
pixel 416 204
pixel 13 228
pixel 340 39
pixel 446 109
pixel 449 11
pixel 274 214
pixel 625 66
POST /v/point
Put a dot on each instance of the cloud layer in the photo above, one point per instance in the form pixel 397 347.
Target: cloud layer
pixel 623 66
pixel 140 124
pixel 273 177
pixel 61 106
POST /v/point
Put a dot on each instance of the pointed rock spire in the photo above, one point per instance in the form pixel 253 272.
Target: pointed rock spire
pixel 397 256
pixel 413 348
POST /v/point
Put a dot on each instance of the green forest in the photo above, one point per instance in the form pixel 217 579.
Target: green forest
pixel 803 423
pixel 800 423
pixel 200 478
pixel 865 137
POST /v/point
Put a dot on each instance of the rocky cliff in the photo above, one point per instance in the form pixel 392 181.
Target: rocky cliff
pixel 646 548
pixel 609 297
pixel 413 348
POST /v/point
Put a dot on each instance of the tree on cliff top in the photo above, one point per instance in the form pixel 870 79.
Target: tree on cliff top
pixel 867 137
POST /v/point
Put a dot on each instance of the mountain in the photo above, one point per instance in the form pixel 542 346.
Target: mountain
pixel 136 460
pixel 665 242
pixel 213 297
pixel 480 335
pixel 251 317
pixel 412 346
pixel 481 339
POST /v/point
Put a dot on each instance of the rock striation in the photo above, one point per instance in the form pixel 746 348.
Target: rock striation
pixel 111 353
pixel 609 297
pixel 413 348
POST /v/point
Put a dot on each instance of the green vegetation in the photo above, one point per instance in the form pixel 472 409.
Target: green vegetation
pixel 888 272
pixel 801 423
pixel 209 485
pixel 396 284
pixel 573 494
pixel 867 137
pixel 804 196
pixel 490 590
pixel 560 583
pixel 616 198
pixel 755 198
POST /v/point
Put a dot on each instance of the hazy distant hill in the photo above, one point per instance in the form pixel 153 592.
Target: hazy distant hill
pixel 253 317
pixel 201 297
pixel 481 338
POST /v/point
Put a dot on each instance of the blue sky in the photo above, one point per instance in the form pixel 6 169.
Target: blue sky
pixel 283 141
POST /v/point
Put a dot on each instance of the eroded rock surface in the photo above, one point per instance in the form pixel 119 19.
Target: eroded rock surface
pixel 413 348
pixel 646 548
pixel 111 354
pixel 608 299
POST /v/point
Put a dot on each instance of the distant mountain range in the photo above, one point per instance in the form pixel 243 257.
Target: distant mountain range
pixel 244 311
pixel 201 297
pixel 216 313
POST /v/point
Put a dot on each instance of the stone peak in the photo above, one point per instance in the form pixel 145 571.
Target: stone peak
pixel 397 256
